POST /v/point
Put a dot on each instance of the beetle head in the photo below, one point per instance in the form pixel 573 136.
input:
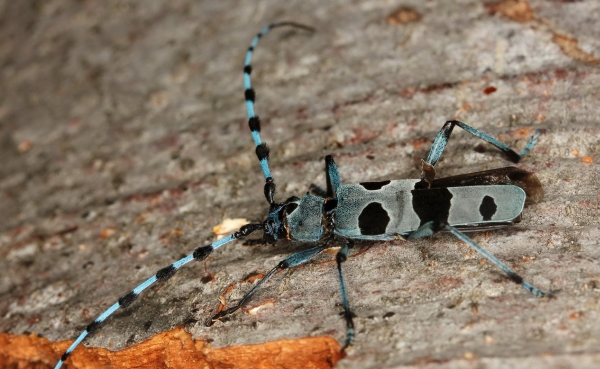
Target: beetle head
pixel 275 226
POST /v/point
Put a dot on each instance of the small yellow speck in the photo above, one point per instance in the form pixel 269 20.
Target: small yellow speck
pixel 228 226
pixel 254 310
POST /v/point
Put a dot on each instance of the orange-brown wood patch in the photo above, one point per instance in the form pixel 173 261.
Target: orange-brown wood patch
pixel 172 349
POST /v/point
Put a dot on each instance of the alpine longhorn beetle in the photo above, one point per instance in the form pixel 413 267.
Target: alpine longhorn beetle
pixel 370 211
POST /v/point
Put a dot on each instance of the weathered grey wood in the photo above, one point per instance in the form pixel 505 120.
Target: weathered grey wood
pixel 135 115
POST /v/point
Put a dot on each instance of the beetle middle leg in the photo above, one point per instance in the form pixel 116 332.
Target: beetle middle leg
pixel 342 256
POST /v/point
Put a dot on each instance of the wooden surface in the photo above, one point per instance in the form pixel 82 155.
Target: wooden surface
pixel 173 349
pixel 124 142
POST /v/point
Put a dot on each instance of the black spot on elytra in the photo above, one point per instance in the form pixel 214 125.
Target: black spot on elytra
pixel 432 204
pixel 373 220
pixel 372 186
pixel 488 208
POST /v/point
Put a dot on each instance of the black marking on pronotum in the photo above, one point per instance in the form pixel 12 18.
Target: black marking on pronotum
pixel 254 124
pixel 373 186
pixel 127 299
pixel 373 220
pixel 289 208
pixel 249 94
pixel 432 205
pixel 166 273
pixel 488 208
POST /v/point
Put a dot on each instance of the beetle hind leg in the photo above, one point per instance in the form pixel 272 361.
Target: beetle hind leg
pixel 432 227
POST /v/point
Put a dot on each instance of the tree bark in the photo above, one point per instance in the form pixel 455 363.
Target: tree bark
pixel 125 141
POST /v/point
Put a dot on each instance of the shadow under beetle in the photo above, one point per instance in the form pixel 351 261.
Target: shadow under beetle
pixel 370 211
